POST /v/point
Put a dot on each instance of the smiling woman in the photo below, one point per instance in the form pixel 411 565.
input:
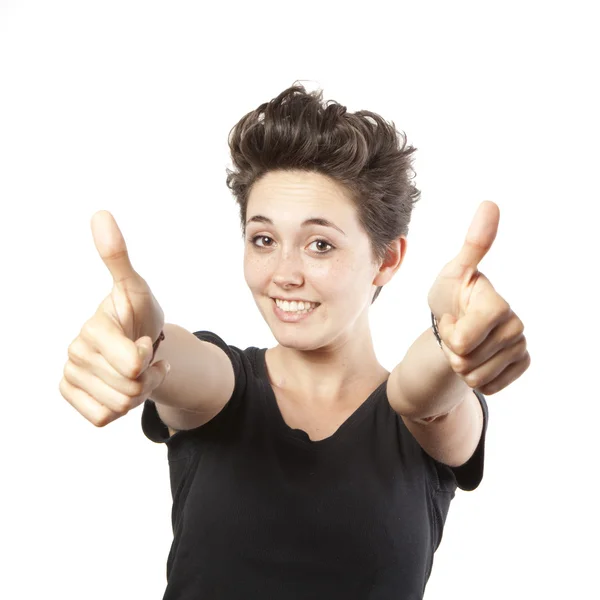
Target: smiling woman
pixel 309 481
pixel 361 151
pixel 298 211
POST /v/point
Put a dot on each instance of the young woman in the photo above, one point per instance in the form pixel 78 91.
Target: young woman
pixel 307 470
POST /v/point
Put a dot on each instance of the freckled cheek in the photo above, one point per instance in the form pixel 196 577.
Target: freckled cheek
pixel 340 274
pixel 256 273
pixel 324 275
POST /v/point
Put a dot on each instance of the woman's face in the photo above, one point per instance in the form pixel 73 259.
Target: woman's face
pixel 286 256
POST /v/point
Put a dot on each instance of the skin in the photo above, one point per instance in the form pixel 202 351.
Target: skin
pixel 324 365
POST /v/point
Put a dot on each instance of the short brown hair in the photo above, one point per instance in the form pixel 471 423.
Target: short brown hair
pixel 360 150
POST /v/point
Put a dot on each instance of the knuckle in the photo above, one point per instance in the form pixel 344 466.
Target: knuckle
pixel 513 332
pixel 74 350
pixel 504 310
pixel 508 338
pixel 123 404
pixel 88 330
pixel 522 346
pixel 472 380
pixel 459 364
pixel 460 346
pixel 135 369
pixel 486 390
pixel 102 419
pixel 63 388
pixel 68 371
pixel 137 388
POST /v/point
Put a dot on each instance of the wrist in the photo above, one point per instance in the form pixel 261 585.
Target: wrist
pixel 156 344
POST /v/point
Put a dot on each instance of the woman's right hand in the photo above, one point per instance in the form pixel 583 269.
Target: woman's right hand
pixel 108 371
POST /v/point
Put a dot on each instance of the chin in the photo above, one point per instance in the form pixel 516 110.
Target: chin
pixel 296 345
pixel 294 339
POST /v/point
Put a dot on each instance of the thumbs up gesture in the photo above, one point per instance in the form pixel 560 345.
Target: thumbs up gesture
pixel 481 336
pixel 108 372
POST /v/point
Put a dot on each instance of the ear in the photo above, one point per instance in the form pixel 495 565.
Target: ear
pixel 395 254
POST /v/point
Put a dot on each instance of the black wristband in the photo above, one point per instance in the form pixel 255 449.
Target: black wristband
pixel 161 337
pixel 435 329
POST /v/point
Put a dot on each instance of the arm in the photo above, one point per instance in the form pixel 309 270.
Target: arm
pixel 423 386
pixel 199 384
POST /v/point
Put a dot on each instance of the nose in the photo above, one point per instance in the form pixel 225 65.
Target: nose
pixel 288 269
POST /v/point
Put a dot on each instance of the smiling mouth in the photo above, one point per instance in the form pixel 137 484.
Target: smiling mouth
pixel 284 300
pixel 305 311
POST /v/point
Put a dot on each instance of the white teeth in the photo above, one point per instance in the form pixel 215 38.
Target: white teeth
pixel 299 307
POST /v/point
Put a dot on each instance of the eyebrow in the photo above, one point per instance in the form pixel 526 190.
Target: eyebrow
pixel 311 221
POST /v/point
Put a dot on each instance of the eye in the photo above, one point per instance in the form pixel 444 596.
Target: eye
pixel 260 237
pixel 318 251
pixel 323 242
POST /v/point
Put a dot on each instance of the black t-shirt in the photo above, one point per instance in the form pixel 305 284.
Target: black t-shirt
pixel 261 511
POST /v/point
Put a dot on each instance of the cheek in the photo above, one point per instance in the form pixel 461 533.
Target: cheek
pixel 249 271
pixel 255 272
pixel 343 274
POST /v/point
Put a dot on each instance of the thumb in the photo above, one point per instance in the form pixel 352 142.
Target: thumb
pixel 159 369
pixel 480 236
pixel 446 327
pixel 152 378
pixel 144 348
pixel 111 246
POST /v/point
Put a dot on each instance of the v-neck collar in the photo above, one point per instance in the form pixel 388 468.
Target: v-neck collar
pixel 342 432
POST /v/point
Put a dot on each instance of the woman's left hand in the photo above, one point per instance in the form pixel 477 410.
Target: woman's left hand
pixel 481 336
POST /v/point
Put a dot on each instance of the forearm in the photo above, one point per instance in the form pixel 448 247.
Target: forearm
pixel 423 384
pixel 201 378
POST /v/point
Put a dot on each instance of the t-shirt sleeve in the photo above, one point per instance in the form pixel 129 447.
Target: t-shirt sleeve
pixel 469 476
pixel 152 425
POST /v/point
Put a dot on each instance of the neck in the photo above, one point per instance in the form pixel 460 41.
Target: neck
pixel 328 375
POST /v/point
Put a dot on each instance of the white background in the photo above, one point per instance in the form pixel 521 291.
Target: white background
pixel 126 106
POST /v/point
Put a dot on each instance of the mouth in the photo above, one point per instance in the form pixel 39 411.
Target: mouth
pixel 309 302
pixel 293 316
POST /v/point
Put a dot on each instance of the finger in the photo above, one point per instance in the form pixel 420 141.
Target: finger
pixel 510 374
pixel 104 336
pixel 466 334
pixel 111 246
pixel 85 405
pixel 502 336
pixel 497 364
pixel 88 359
pixel 97 389
pixel 107 396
